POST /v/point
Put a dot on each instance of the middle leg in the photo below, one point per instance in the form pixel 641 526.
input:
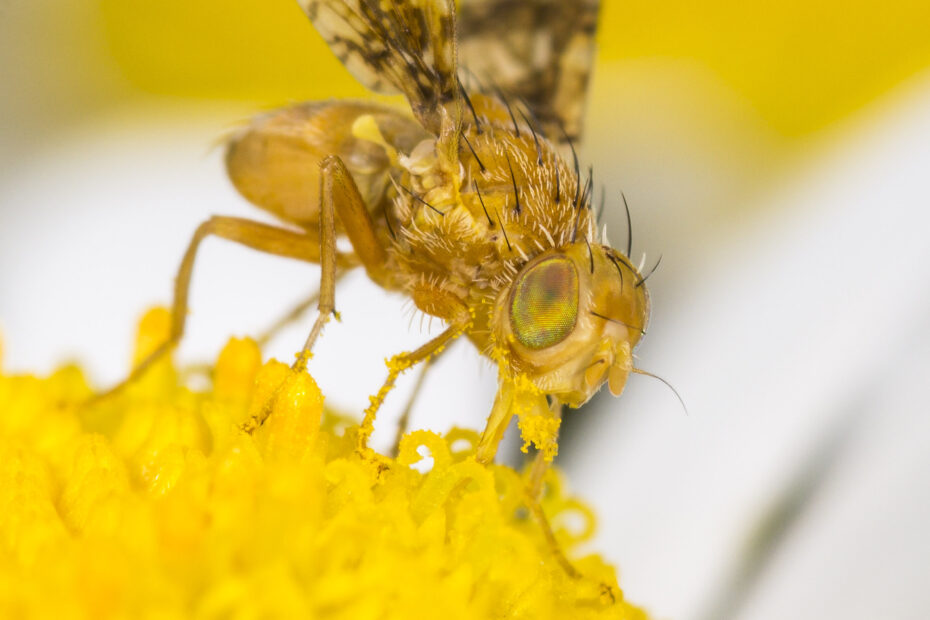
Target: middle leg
pixel 292 316
pixel 338 195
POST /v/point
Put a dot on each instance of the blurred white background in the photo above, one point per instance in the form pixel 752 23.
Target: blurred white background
pixel 791 311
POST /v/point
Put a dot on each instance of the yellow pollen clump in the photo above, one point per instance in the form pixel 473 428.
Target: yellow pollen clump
pixel 155 504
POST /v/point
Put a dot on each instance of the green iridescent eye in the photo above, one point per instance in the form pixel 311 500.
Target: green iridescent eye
pixel 545 303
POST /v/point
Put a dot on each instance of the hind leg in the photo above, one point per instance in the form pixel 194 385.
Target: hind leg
pixel 258 236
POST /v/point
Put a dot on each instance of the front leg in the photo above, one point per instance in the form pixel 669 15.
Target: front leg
pixel 540 462
pixel 538 424
pixel 404 421
pixel 397 365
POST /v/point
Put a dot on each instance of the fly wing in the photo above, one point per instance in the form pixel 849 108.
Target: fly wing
pixel 405 46
pixel 541 51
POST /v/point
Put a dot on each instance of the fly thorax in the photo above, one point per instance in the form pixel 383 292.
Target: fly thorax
pixel 421 160
pixel 431 179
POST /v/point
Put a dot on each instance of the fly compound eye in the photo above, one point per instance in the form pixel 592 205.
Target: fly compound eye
pixel 544 306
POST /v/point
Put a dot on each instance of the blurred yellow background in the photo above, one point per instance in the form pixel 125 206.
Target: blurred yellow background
pixel 800 64
pixel 722 96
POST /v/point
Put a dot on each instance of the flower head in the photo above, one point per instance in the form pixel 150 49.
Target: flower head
pixel 155 504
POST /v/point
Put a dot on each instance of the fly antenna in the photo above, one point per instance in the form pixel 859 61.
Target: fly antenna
pixel 640 371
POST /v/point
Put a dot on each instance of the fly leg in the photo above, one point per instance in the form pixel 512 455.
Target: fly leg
pixel 509 399
pixel 404 421
pixel 397 365
pixel 498 421
pixel 540 464
pixel 292 316
pixel 434 301
pixel 607 591
pixel 262 339
pixel 501 414
pixel 338 196
pixel 258 236
pixel 532 503
pixel 533 496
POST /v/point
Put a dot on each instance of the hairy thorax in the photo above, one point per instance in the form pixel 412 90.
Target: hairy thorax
pixel 463 229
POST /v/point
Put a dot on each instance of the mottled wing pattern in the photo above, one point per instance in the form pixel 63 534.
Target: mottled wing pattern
pixel 538 50
pixel 405 46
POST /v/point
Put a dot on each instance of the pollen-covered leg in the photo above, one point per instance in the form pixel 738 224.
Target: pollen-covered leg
pixel 432 299
pixel 540 462
pixel 397 365
pixel 539 425
pixel 258 236
pixel 501 414
pixel 508 402
pixel 404 421
pixel 534 484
